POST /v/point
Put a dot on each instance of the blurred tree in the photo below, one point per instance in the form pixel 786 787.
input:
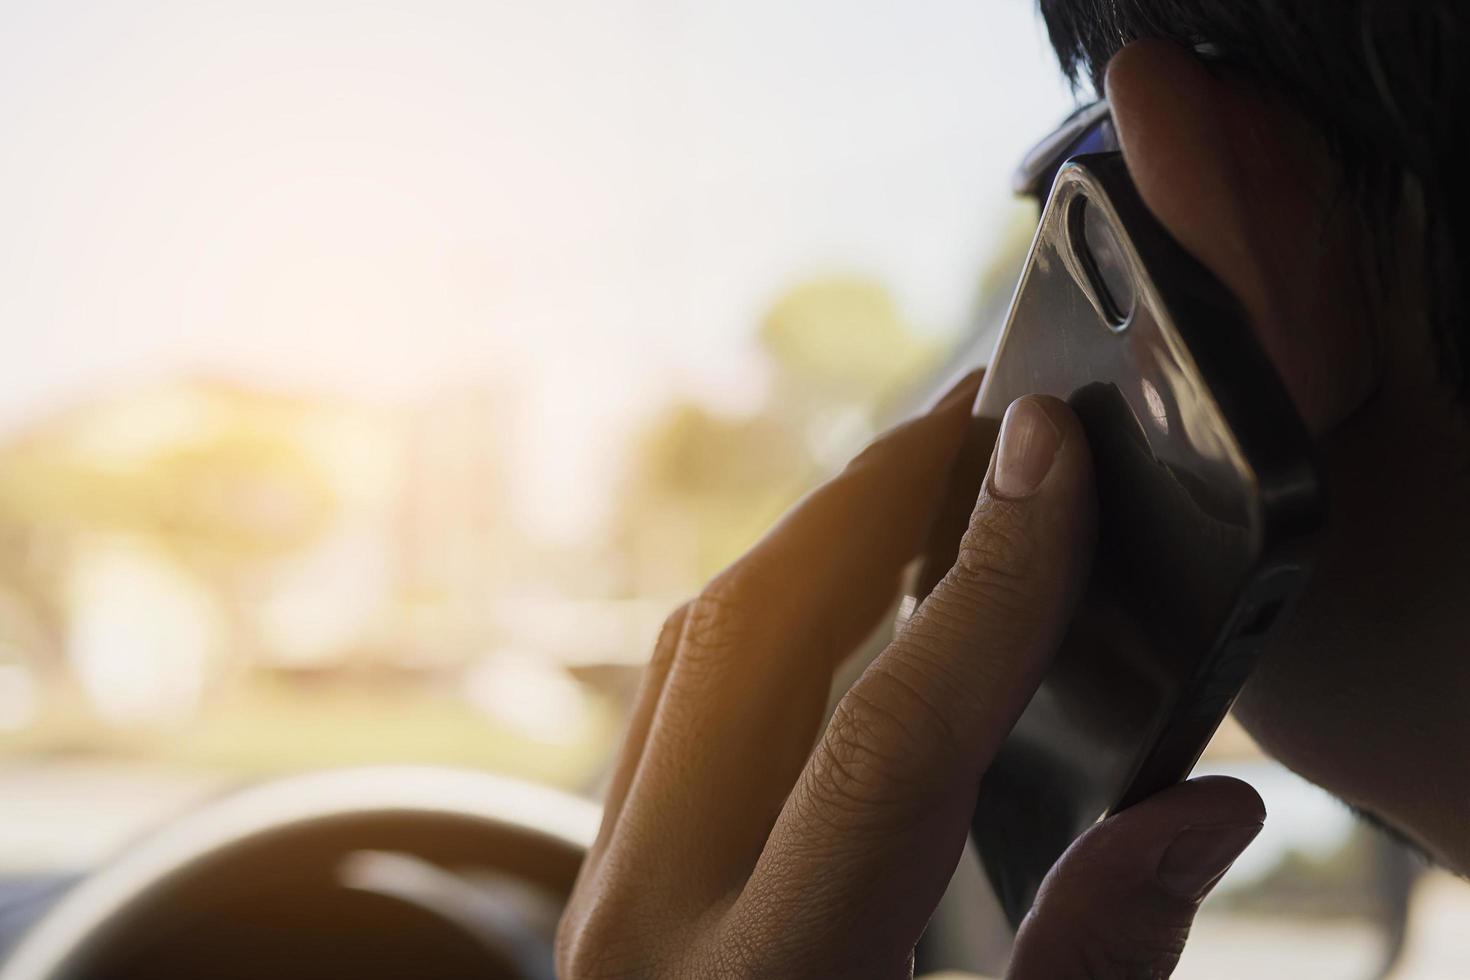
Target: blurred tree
pixel 209 474
pixel 228 484
pixel 703 487
pixel 840 340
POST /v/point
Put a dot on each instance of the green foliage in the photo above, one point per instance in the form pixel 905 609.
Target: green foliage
pixel 235 488
pixel 841 338
pixel 704 487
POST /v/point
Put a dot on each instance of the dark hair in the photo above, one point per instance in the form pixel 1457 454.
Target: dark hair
pixel 1385 80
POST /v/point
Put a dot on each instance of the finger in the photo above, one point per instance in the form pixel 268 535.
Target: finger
pixel 748 683
pixel 834 561
pixel 651 687
pixel 1120 902
pixel 649 691
pixel 584 897
pixel 952 516
pixel 872 831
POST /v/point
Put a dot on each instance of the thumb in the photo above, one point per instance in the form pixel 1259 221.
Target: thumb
pixel 1121 900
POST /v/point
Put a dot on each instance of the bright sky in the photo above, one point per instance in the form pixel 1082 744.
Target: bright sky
pixel 594 199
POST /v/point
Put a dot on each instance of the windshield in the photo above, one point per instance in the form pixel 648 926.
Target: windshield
pixel 380 379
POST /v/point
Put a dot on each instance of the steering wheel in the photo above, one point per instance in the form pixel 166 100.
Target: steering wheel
pixel 364 873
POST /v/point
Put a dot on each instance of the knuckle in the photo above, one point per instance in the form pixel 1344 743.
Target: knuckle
pixel 611 940
pixel 850 766
pixel 870 758
pixel 998 541
pixel 583 953
pixel 997 565
pixel 738 957
pixel 717 620
pixel 669 635
pixel 746 609
pixel 732 594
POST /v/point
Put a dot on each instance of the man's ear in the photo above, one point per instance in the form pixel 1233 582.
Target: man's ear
pixel 1241 183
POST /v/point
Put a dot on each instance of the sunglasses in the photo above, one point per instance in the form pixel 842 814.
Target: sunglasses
pixel 1088 130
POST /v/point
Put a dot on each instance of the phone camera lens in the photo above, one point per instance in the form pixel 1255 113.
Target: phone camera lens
pixel 1102 258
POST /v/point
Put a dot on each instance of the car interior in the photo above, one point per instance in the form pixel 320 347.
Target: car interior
pixel 383 375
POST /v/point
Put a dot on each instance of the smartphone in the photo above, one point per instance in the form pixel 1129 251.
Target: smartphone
pixel 1207 504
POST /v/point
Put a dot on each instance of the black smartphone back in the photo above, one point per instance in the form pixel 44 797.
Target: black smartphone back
pixel 1207 499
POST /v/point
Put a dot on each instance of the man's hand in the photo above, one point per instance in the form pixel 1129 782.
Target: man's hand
pixel 737 843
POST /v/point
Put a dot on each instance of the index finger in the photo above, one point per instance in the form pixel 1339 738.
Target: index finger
pixel 872 831
pixel 737 693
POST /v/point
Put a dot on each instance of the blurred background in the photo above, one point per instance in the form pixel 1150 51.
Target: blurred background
pixel 380 375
